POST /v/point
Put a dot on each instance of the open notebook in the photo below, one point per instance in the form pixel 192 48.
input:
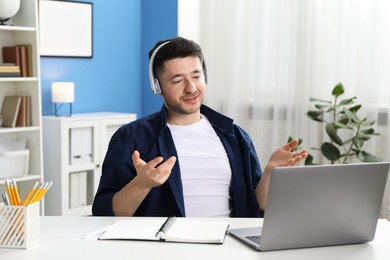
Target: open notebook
pixel 172 229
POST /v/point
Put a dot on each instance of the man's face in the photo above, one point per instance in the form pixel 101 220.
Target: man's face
pixel 183 87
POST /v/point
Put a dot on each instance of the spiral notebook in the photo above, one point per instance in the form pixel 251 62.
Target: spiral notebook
pixel 172 229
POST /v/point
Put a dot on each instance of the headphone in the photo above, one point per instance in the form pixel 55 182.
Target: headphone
pixel 154 82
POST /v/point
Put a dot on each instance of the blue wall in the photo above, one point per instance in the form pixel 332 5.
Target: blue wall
pixel 159 22
pixel 116 77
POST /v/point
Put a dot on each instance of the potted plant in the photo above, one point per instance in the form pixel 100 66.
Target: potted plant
pixel 346 131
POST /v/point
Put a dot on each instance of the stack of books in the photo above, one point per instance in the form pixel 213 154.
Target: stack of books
pixel 9 70
pixel 16 111
pixel 19 56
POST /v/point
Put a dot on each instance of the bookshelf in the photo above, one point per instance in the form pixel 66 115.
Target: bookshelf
pixel 24 31
pixel 74 150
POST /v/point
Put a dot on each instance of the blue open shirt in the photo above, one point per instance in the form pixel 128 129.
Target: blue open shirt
pixel 151 136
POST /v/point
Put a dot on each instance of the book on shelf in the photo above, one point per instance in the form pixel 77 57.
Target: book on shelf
pixel 171 229
pixel 23 60
pixel 9 70
pixel 16 111
pixel 10 110
pixel 4 67
pixel 11 54
pixel 21 120
pixel 24 115
pixel 9 74
pixel 29 60
pixel 28 111
pixel 21 56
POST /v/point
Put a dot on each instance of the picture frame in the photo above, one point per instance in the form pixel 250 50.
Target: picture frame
pixel 66 28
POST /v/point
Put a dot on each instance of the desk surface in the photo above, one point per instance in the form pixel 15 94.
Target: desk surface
pixel 61 238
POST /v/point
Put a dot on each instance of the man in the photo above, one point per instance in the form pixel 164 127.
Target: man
pixel 187 159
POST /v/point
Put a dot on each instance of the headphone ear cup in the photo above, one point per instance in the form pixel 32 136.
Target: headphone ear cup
pixel 154 83
pixel 156 86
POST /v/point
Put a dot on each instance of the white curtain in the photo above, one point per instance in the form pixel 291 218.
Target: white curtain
pixel 266 58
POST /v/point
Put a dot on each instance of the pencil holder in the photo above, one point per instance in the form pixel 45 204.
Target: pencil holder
pixel 19 226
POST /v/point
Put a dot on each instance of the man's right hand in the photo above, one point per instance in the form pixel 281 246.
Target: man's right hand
pixel 153 173
pixel 149 175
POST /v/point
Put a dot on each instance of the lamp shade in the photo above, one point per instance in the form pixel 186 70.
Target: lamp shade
pixel 62 92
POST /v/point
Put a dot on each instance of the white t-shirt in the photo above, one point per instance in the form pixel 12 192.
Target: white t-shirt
pixel 205 169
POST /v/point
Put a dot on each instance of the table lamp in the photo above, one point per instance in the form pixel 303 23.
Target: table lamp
pixel 61 93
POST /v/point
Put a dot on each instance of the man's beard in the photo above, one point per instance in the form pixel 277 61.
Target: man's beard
pixel 178 108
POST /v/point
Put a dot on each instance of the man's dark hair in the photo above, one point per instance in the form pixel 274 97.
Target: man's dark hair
pixel 175 48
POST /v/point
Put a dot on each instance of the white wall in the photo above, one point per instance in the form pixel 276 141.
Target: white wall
pixel 188 22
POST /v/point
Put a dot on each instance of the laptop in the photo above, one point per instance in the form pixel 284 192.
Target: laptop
pixel 323 205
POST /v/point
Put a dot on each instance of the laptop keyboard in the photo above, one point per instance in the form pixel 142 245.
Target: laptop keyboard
pixel 255 239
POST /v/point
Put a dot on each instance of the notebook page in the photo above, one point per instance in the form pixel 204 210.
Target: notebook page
pixel 197 231
pixel 135 229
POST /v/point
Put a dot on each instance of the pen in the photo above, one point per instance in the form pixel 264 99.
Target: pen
pixel 5 199
pixel 31 192
pixel 100 230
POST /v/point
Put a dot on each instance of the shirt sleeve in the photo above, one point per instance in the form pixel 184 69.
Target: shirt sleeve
pixel 117 171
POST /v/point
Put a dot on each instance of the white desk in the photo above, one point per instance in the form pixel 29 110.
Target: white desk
pixel 61 238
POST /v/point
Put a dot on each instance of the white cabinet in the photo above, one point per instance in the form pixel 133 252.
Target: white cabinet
pixel 24 31
pixel 74 150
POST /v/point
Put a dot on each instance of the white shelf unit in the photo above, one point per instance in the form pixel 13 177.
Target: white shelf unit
pixel 24 31
pixel 74 145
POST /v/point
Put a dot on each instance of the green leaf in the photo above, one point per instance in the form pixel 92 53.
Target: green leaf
pixel 341 125
pixel 358 143
pixel 319 100
pixel 338 90
pixel 355 108
pixel 344 120
pixel 368 123
pixel 321 106
pixel 315 115
pixel 309 160
pixel 345 102
pixel 330 151
pixel 362 136
pixel 351 115
pixel 290 138
pixel 330 110
pixel 352 124
pixel 369 131
pixel 367 157
pixel 332 132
